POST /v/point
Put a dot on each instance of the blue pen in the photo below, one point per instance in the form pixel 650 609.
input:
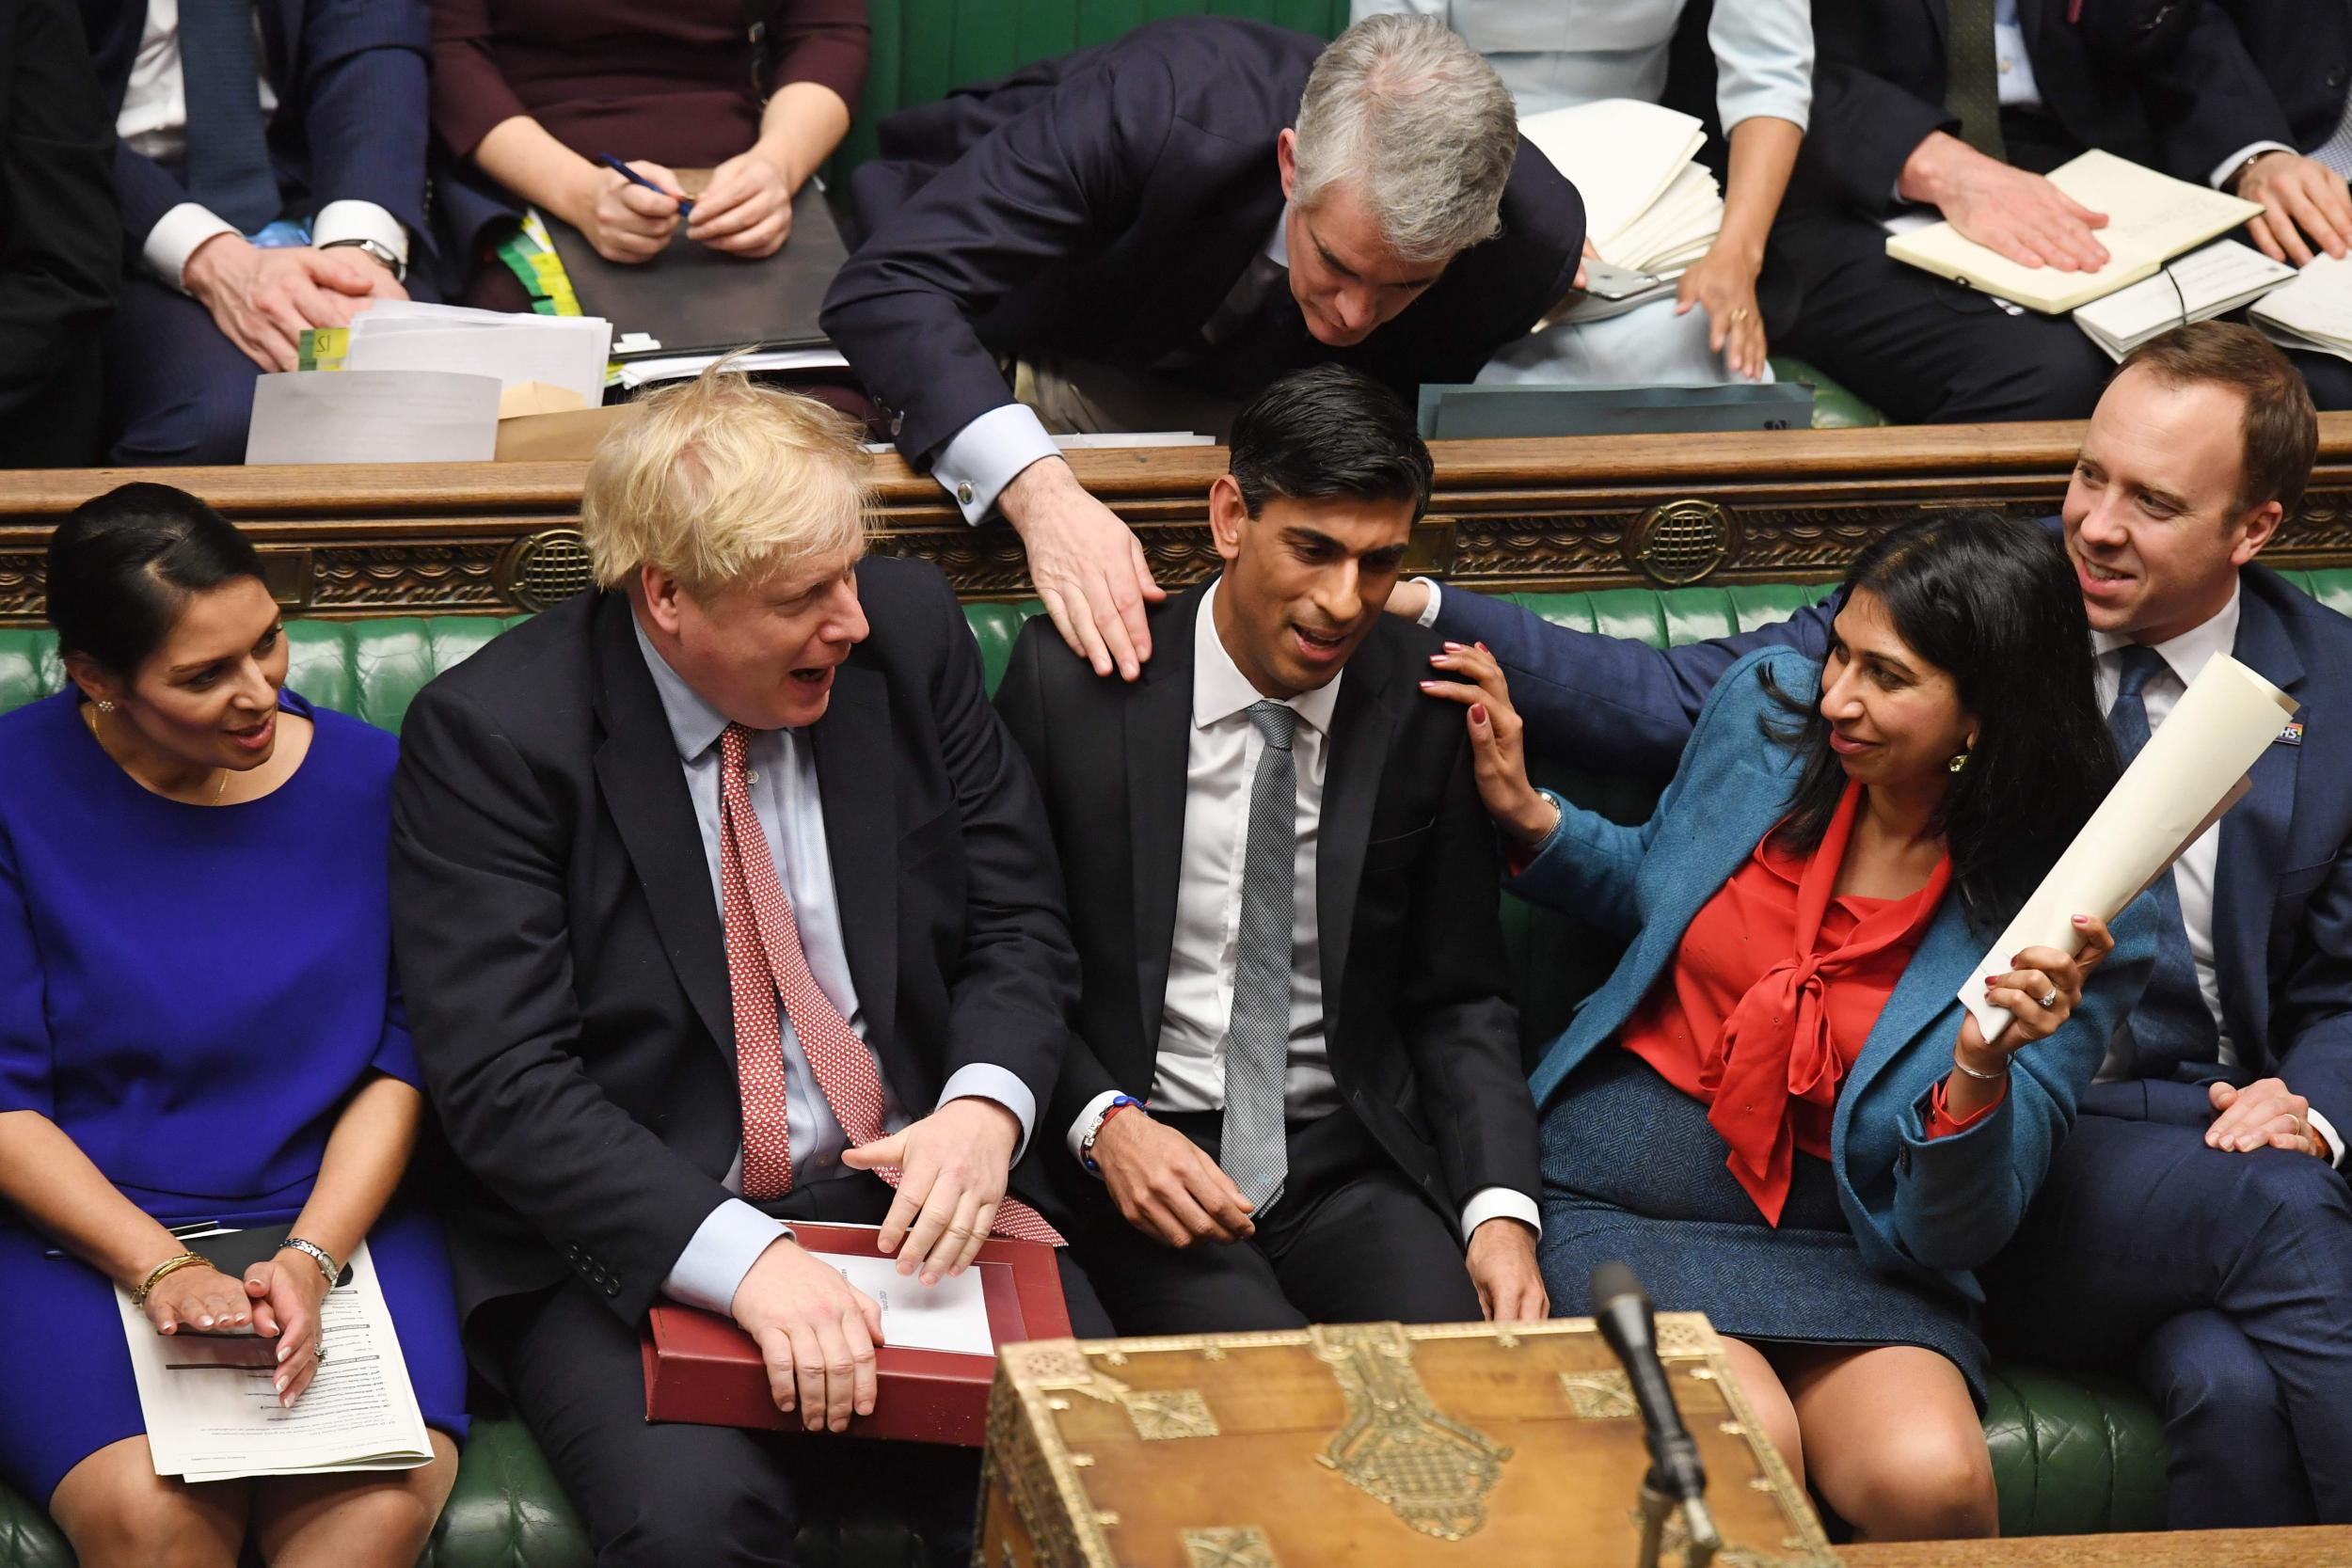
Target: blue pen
pixel 685 208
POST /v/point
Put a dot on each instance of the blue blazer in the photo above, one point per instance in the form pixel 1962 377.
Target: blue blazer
pixel 350 125
pixel 1930 1209
pixel 2282 900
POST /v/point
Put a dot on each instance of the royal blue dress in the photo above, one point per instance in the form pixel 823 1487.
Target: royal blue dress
pixel 191 994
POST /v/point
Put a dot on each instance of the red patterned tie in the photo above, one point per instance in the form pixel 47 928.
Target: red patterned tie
pixel 765 961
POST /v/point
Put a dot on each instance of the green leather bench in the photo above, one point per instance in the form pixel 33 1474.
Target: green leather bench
pixel 2071 1454
pixel 922 49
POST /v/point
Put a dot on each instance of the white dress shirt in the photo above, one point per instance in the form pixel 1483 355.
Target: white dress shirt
pixel 154 124
pixel 1220 765
pixel 2193 873
pixel 983 457
pixel 784 798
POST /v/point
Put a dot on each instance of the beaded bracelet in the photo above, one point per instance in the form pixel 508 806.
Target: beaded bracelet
pixel 317 1254
pixel 155 1275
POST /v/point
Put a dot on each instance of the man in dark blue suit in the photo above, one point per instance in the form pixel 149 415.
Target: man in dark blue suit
pixel 233 116
pixel 2196 1227
pixel 1158 227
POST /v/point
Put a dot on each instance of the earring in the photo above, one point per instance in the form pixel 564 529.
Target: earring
pixel 104 706
pixel 1959 760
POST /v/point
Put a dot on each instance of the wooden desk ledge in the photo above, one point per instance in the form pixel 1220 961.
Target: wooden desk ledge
pixel 1575 514
pixel 2319 1546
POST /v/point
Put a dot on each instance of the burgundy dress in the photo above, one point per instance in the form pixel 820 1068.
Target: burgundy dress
pixel 668 80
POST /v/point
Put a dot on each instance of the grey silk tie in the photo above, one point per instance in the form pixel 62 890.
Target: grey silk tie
pixel 1972 88
pixel 1257 1039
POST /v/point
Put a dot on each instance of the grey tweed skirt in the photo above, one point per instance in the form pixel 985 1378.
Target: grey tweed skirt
pixel 1633 1173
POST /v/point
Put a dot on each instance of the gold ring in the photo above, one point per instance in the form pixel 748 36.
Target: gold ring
pixel 1739 313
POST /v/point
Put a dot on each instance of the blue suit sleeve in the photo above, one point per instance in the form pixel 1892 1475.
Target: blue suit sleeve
pixel 1610 704
pixel 1959 1199
pixel 2310 1023
pixel 396 1052
pixel 366 105
pixel 146 191
pixel 26 1052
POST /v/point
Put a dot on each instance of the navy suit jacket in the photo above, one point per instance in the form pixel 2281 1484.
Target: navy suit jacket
pixel 2282 896
pixel 1880 72
pixel 1103 204
pixel 2299 53
pixel 1931 1207
pixel 350 125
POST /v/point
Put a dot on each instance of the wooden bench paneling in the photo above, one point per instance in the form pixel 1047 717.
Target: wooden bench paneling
pixel 1648 509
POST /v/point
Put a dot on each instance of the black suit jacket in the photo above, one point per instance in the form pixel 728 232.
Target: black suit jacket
pixel 60 240
pixel 563 956
pixel 1103 203
pixel 2298 55
pixel 1423 1040
pixel 1880 72
pixel 349 75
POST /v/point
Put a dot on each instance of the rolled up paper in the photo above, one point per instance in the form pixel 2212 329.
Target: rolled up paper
pixel 2190 771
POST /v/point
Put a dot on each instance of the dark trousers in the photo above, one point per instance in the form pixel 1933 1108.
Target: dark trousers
pixel 1351 1240
pixel 178 391
pixel 2222 1281
pixel 2328 377
pixel 666 1496
pixel 1918 347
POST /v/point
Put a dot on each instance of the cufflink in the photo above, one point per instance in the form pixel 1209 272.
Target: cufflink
pixel 898 423
pixel 963 494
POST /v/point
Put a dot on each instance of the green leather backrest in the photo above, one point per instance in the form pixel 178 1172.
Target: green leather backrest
pixel 923 48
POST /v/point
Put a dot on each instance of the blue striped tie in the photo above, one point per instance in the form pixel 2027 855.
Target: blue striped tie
pixel 2171 1026
pixel 227 168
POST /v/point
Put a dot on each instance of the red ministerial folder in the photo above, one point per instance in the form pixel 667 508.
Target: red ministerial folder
pixel 700 1369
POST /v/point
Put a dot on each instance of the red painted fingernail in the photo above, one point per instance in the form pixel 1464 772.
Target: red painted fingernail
pixel 1478 713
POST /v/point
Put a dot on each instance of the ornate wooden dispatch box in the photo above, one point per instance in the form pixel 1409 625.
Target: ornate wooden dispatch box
pixel 1370 1445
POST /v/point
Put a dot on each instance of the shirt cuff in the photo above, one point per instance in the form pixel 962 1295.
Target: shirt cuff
pixel 989 453
pixel 2222 170
pixel 1498 1203
pixel 725 1247
pixel 987 1081
pixel 175 237
pixel 1076 1137
pixel 2327 1129
pixel 1428 617
pixel 1941 1123
pixel 360 221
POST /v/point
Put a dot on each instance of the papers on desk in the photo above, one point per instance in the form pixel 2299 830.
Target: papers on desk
pixel 2150 218
pixel 1647 205
pixel 681 367
pixel 2200 286
pixel 373 417
pixel 2313 312
pixel 516 347
pixel 207 1421
pixel 949 1316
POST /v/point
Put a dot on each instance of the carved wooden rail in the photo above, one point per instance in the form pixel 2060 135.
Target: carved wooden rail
pixel 1647 510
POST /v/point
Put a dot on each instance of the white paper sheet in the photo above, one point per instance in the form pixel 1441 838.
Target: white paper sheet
pixel 217 1423
pixel 562 351
pixel 2314 312
pixel 2171 793
pixel 2200 286
pixel 1621 154
pixel 645 373
pixel 951 1315
pixel 373 417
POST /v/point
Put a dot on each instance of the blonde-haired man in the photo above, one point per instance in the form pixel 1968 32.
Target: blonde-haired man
pixel 723 900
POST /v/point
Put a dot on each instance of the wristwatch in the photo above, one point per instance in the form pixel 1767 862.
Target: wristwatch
pixel 382 252
pixel 2230 181
pixel 1085 1145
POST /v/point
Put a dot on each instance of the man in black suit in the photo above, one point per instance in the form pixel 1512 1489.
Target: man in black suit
pixel 2289 66
pixel 1295 1093
pixel 233 116
pixel 715 913
pixel 1200 206
pixel 60 240
pixel 1957 109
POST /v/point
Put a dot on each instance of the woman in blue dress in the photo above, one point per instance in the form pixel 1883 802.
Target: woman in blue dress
pixel 199 1021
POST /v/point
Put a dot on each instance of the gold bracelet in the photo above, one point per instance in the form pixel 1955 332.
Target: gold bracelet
pixel 1982 1077
pixel 155 1275
pixel 317 1254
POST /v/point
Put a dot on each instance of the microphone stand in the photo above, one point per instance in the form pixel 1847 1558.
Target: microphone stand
pixel 1675 1479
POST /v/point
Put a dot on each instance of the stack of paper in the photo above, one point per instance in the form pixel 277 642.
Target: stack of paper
pixel 2150 218
pixel 2313 312
pixel 2198 286
pixel 207 1420
pixel 562 350
pixel 1646 205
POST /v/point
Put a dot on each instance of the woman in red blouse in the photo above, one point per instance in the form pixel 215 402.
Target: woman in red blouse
pixel 526 93
pixel 1776 1109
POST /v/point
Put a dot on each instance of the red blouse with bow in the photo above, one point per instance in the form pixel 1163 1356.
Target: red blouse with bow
pixel 1773 991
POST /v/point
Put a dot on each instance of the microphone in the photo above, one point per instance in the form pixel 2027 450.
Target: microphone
pixel 1622 1312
